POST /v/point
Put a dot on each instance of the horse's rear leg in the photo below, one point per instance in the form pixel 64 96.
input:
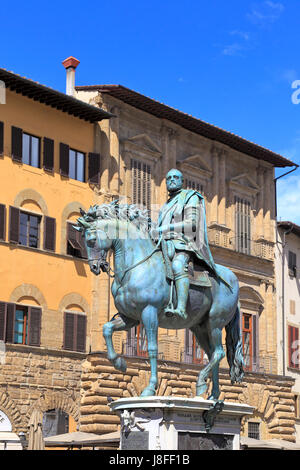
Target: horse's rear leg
pixel 216 354
pixel 118 323
pixel 150 323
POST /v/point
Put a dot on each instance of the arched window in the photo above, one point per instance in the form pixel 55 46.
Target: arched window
pixel 56 422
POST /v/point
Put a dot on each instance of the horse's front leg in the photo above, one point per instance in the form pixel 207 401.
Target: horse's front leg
pixel 150 323
pixel 118 323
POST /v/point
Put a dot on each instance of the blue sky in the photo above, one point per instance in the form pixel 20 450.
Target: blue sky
pixel 231 63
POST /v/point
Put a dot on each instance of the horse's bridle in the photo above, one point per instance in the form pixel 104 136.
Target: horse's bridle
pixel 105 266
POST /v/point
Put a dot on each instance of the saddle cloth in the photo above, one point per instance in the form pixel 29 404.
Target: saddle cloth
pixel 198 275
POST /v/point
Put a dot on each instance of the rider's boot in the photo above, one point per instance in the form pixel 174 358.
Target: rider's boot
pixel 182 284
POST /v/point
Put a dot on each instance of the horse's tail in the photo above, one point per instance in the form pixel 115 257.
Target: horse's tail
pixel 234 348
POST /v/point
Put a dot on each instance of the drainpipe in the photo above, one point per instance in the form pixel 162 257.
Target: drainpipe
pixel 283 296
pixel 282 268
pixel 275 181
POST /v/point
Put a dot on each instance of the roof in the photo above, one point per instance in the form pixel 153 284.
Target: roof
pixel 189 122
pixel 53 98
pixel 291 226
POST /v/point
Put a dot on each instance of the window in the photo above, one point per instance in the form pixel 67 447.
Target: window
pixel 193 353
pixel 76 165
pixel 192 184
pixel 250 341
pixel 31 150
pixel 20 324
pixel 74 332
pixel 293 346
pixel 292 263
pixel 243 225
pixel 297 406
pixel 25 147
pixel 137 342
pixel 253 430
pixel 24 229
pixel 55 422
pixel 29 229
pixel 141 184
pixel 75 242
pixel 72 164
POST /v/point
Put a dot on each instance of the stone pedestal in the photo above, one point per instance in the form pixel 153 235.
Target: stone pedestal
pixel 176 423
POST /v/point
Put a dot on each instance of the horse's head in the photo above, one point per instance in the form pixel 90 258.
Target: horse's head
pixel 96 241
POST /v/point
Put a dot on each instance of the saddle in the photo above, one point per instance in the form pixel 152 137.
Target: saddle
pixel 198 274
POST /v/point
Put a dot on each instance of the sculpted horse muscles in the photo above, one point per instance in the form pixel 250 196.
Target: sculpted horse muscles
pixel 141 292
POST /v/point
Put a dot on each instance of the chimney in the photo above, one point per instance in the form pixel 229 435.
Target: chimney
pixel 70 65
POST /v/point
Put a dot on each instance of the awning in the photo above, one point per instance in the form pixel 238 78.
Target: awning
pixel 271 444
pixel 83 439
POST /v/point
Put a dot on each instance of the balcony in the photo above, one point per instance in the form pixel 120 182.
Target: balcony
pixel 222 236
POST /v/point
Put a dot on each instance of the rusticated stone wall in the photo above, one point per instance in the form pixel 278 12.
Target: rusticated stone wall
pixel 271 395
pixel 38 378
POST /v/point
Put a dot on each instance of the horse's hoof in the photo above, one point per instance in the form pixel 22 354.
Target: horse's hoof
pixel 200 389
pixel 213 398
pixel 148 392
pixel 120 364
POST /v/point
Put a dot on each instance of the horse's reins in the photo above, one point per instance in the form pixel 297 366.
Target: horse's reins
pixel 107 267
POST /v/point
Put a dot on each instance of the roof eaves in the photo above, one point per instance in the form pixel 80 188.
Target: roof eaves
pixel 51 97
pixel 190 122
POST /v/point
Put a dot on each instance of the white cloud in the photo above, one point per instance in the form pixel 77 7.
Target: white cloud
pixel 241 34
pixel 267 12
pixel 233 49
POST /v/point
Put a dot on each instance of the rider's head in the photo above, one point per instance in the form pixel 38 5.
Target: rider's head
pixel 174 180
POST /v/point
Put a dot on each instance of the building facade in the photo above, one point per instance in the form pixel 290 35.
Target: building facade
pixel 49 167
pixel 60 153
pixel 288 306
pixel 141 143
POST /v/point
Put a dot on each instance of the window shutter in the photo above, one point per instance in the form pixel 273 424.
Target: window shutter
pixel 64 159
pixel 48 161
pixel 49 233
pixel 141 183
pixel 10 322
pixel 35 316
pixel 14 224
pixel 69 328
pixel 2 222
pixel 1 138
pixel 81 242
pixel 80 332
pixel 2 320
pixel 94 168
pixel 73 237
pixel 255 343
pixel 16 143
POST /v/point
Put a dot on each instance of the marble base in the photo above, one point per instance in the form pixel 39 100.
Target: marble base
pixel 177 423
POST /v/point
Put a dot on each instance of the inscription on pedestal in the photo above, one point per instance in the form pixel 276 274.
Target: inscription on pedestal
pixel 201 441
pixel 135 440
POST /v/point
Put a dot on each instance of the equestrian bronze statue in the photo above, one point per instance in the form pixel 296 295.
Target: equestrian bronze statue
pixel 166 277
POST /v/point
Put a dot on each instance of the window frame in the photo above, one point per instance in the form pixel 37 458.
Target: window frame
pixel 74 337
pixel 31 136
pixel 76 166
pixel 256 432
pixel 292 336
pixel 243 222
pixel 39 217
pixel 33 324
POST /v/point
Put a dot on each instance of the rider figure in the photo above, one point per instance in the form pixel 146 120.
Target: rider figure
pixel 182 224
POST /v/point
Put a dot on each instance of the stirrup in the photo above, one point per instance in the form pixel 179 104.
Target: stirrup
pixel 174 312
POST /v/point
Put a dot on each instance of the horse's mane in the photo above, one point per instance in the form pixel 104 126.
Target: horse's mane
pixel 127 212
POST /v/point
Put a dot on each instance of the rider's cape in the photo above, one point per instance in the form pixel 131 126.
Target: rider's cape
pixel 174 210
